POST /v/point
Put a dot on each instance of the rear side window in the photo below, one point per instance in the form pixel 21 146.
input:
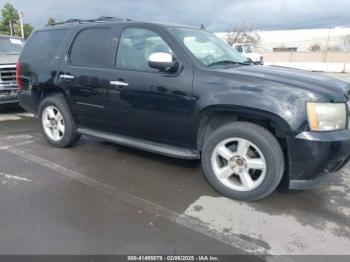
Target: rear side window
pixel 42 46
pixel 91 47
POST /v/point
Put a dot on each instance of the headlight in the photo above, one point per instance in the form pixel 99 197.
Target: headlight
pixel 326 116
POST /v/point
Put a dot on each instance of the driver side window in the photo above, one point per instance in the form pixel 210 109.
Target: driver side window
pixel 135 47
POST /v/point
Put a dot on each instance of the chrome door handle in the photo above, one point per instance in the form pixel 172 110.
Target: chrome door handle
pixel 67 76
pixel 118 83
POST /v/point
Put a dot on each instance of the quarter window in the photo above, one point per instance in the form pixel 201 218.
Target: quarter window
pixel 91 47
pixel 135 47
pixel 42 46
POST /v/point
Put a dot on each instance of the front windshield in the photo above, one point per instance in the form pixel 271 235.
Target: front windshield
pixel 247 49
pixel 10 45
pixel 206 47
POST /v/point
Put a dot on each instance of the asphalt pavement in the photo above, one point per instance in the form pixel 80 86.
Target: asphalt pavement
pixel 100 198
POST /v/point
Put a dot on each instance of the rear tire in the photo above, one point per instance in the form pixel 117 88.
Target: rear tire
pixel 243 161
pixel 56 122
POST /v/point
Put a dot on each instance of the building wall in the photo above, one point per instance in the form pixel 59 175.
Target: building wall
pixel 302 39
pixel 313 61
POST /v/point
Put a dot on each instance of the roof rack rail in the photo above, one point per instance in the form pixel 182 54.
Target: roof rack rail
pixel 99 19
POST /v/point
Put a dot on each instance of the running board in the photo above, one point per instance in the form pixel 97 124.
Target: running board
pixel 142 144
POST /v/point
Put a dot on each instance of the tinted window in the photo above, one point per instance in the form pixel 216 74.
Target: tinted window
pixel 42 46
pixel 136 45
pixel 91 47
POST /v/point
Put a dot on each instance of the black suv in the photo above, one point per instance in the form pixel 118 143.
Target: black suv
pixel 182 92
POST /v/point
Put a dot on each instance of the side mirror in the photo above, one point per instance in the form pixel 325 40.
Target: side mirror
pixel 163 62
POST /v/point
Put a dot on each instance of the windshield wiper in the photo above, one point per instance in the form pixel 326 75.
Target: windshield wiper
pixel 225 62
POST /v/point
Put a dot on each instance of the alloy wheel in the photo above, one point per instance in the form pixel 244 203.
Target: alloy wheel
pixel 238 164
pixel 53 123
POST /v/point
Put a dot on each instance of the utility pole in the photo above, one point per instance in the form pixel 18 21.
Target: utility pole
pixel 329 33
pixel 21 21
pixel 10 24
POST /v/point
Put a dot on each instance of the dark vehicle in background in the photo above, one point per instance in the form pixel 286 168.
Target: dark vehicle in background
pixel 182 92
pixel 10 49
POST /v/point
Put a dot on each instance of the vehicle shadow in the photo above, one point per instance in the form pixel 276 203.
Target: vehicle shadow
pixel 11 109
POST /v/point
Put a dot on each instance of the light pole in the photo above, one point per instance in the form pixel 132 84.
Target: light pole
pixel 21 21
pixel 327 46
pixel 10 25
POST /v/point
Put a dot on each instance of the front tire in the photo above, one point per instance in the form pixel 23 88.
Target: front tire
pixel 56 122
pixel 243 161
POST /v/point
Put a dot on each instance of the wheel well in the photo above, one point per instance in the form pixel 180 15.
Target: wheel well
pixel 50 92
pixel 210 122
pixel 46 92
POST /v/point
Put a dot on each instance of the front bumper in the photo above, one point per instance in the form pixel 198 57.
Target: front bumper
pixel 313 156
pixel 8 93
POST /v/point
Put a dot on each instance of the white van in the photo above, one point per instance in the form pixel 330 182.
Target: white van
pixel 247 50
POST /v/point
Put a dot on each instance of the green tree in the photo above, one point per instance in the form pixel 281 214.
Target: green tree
pixel 27 29
pixel 51 21
pixel 9 13
pixel 3 29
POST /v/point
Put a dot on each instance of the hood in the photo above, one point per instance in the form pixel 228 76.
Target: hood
pixel 316 83
pixel 8 59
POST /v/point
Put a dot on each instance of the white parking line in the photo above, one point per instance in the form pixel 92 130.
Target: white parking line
pixel 181 219
pixel 7 117
pixel 14 177
pixel 15 116
pixel 25 114
pixel 9 137
pixel 6 147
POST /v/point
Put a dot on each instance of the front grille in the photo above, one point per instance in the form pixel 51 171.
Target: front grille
pixel 8 74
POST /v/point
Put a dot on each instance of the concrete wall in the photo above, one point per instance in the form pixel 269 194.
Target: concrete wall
pixel 330 57
pixel 312 61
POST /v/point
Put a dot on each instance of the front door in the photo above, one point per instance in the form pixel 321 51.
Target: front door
pixel 144 102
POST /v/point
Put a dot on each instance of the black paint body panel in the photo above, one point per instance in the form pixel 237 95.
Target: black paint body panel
pixel 171 108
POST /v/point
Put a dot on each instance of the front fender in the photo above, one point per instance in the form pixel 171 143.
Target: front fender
pixel 277 101
pixel 220 114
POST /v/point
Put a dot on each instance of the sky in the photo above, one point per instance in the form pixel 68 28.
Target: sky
pixel 215 15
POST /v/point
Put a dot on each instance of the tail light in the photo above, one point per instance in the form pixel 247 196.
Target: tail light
pixel 18 79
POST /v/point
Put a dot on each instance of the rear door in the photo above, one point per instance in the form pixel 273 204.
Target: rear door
pixel 83 75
